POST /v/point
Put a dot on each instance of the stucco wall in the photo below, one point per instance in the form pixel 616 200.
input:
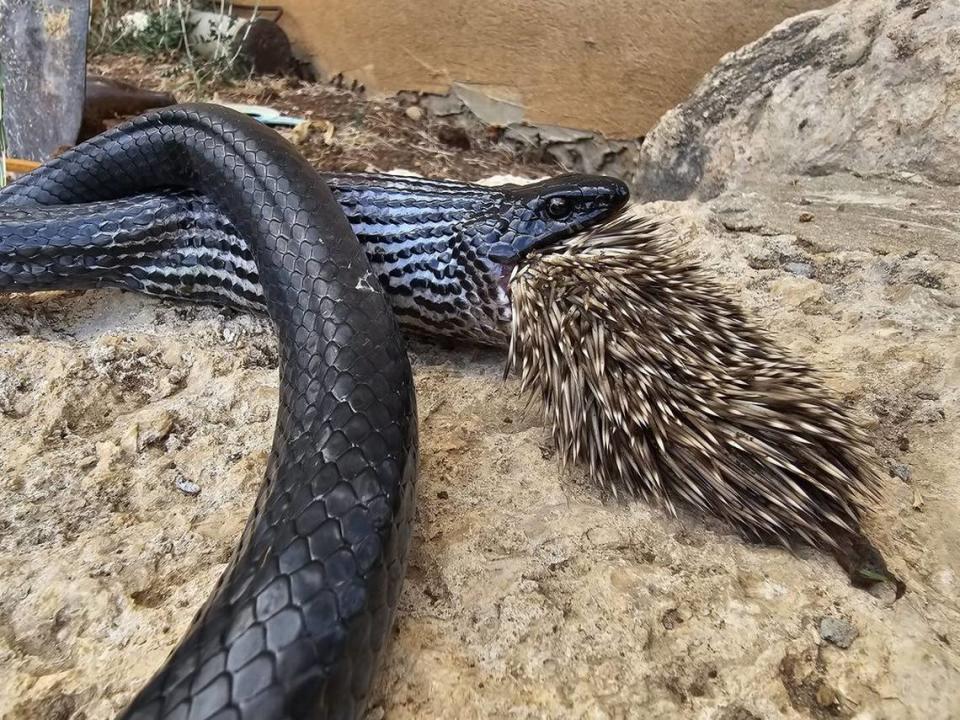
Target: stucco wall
pixel 612 66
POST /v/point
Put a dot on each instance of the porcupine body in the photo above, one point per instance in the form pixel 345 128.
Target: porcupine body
pixel 658 382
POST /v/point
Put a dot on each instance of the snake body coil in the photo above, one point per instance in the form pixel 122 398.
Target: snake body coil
pixel 296 622
pixel 316 575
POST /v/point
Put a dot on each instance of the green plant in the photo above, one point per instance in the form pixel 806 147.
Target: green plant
pixel 164 33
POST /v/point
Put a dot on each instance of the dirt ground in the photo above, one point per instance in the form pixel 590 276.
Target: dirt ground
pixel 347 132
pixel 133 435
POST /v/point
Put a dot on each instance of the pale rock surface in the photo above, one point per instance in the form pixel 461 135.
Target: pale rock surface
pixel 870 87
pixel 529 593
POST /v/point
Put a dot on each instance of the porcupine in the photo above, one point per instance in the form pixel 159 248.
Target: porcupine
pixel 657 381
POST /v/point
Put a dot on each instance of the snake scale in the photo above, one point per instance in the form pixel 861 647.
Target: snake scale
pixel 199 202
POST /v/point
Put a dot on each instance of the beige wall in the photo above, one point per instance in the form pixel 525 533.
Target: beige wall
pixel 612 66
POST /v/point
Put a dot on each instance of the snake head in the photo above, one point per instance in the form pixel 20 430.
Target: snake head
pixel 539 214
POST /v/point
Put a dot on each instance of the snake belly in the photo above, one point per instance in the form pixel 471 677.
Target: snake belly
pixel 300 615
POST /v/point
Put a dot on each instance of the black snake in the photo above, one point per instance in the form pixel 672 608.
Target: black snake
pixel 203 203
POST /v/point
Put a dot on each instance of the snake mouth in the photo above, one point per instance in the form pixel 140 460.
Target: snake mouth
pixel 560 241
pixel 585 201
pixel 619 223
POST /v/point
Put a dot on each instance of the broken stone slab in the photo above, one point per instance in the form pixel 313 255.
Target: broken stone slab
pixel 577 151
pixel 864 86
pixel 477 107
pixel 494 106
pixel 438 105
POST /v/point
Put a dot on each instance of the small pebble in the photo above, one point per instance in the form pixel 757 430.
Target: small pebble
pixel 671 619
pixel 155 430
pixel 886 592
pixel 375 713
pixel 443 495
pixel 87 462
pixel 187 487
pixel 826 696
pixel 838 631
pixel 6 394
pixel 131 439
pixel 806 217
pixel 901 471
pixel 414 113
pixel 798 268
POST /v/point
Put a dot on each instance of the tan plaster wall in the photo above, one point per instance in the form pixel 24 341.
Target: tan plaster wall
pixel 612 66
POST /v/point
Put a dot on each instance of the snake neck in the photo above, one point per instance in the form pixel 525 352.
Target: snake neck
pixel 426 241
pixel 441 250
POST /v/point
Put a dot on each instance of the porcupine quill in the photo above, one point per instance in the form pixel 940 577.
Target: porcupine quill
pixel 656 380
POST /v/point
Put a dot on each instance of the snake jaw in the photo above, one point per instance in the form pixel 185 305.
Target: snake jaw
pixel 552 210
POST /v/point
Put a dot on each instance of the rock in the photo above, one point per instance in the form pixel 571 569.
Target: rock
pixel 886 592
pixel 576 150
pixel 187 487
pixel 802 269
pixel 442 105
pixel 107 454
pixel 7 394
pixel 917 502
pixel 743 224
pixel 414 113
pixel 826 696
pixel 146 431
pixel 674 617
pixel 498 108
pixel 838 631
pixel 375 713
pixel 156 429
pixel 899 470
pixel 737 712
pixel 863 85
pixel 130 440
pixel 528 592
pixel 86 462
pixel 797 291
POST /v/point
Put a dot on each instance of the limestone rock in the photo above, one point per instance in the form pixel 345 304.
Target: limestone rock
pixel 865 86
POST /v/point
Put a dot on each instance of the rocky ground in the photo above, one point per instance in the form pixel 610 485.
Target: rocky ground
pixel 133 435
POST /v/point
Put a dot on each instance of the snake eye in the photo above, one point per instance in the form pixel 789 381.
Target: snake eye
pixel 559 207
